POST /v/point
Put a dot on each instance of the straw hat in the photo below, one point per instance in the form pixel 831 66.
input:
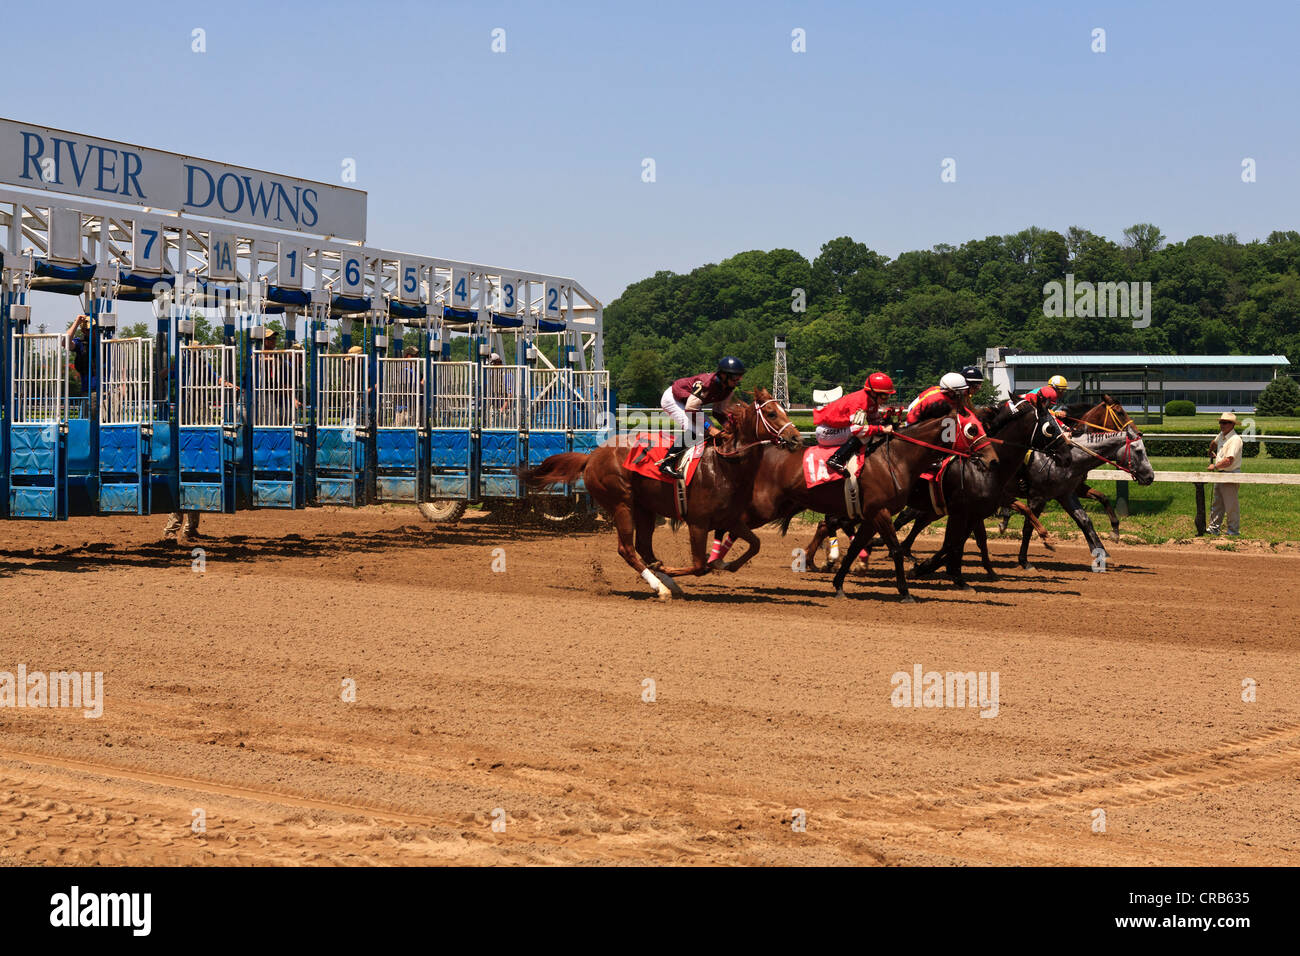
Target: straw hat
pixel 1228 417
pixel 355 350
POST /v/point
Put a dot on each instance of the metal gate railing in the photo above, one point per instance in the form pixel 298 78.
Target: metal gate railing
pixel 500 399
pixel 206 392
pixel 341 397
pixel 38 389
pixel 590 408
pixel 550 396
pixel 279 388
pixel 453 395
pixel 126 382
pixel 401 393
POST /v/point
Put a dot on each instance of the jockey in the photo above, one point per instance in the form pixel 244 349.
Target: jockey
pixel 953 391
pixel 684 399
pixel 846 421
pixel 1045 396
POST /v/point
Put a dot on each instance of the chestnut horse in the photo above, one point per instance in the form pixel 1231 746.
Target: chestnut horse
pixel 719 491
pixel 781 490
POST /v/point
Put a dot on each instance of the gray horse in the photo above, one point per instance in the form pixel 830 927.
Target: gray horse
pixel 1048 479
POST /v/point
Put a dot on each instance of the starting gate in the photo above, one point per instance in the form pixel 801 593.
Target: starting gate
pixel 125 424
pixel 451 446
pixel 549 391
pixel 590 419
pixel 206 424
pixel 499 434
pixel 341 428
pixel 279 428
pixel 38 431
pixel 400 430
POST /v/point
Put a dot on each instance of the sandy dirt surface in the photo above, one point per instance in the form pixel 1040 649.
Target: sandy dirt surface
pixel 517 696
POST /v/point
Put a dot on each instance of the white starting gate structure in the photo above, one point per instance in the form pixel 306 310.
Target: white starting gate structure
pixel 206 417
pixel 401 429
pixel 280 428
pixel 125 424
pixel 342 428
pixel 156 423
pixel 39 406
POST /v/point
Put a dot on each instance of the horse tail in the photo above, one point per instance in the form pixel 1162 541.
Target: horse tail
pixel 555 470
pixel 787 518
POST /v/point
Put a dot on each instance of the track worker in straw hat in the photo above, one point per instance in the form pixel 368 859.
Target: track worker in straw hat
pixel 1226 452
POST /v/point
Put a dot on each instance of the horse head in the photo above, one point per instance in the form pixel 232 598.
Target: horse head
pixel 762 421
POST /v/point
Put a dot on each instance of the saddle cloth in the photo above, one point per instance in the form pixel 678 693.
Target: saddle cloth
pixel 934 477
pixel 648 450
pixel 815 471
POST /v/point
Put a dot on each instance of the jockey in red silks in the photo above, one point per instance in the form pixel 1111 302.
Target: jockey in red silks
pixel 846 421
pixel 684 399
pixel 953 391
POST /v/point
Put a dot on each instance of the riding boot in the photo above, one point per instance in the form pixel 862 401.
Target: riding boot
pixel 844 454
pixel 670 467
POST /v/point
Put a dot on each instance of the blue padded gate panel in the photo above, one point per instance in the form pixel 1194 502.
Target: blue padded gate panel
pixel 203 455
pixel 397 453
pixel 278 470
pixel 200 450
pixel 498 459
pixel 123 458
pixel 273 449
pixel 544 444
pixel 451 453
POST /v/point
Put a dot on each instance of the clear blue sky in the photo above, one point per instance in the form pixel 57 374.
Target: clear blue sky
pixel 532 158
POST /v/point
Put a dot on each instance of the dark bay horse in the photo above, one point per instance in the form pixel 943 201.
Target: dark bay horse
pixel 781 490
pixel 719 492
pixel 972 493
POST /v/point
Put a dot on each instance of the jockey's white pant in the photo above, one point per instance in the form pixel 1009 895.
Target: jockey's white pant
pixel 833 436
pixel 692 426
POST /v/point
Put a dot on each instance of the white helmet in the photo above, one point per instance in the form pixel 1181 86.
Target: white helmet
pixel 954 382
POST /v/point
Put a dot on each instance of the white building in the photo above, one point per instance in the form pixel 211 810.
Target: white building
pixel 1215 383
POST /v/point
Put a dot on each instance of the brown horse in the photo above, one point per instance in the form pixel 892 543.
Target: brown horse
pixel 781 490
pixel 718 493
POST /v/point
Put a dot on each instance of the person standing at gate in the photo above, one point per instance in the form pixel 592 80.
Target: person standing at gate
pixel 1226 452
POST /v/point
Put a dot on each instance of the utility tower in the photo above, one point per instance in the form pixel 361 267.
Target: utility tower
pixel 780 378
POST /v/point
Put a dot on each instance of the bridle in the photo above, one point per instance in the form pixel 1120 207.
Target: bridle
pixel 1128 427
pixel 772 429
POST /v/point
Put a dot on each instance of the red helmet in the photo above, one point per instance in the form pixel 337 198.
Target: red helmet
pixel 880 383
pixel 1049 393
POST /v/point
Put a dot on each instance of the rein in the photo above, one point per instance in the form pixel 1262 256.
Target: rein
pixel 776 432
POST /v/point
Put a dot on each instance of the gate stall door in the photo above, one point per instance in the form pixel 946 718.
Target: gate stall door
pixel 499 444
pixel 206 421
pixel 279 428
pixel 400 429
pixel 125 424
pixel 38 432
pixel 550 392
pixel 341 427
pixel 589 412
pixel 452 422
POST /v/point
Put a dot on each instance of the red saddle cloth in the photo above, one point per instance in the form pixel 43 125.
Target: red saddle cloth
pixel 648 450
pixel 815 471
pixel 934 476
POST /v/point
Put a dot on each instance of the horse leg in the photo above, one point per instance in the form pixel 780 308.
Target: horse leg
pixel 699 555
pixel 886 529
pixel 1071 504
pixel 860 539
pixel 819 536
pixel 1039 528
pixel 644 521
pixel 1025 532
pixel 625 524
pixel 751 549
pixel 981 539
pixel 958 530
pixel 1102 500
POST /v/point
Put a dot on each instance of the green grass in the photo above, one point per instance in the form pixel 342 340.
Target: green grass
pixel 1209 424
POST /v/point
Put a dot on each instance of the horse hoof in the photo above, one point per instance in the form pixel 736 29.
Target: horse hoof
pixel 840 593
pixel 908 599
pixel 1114 536
pixel 665 595
pixel 1026 566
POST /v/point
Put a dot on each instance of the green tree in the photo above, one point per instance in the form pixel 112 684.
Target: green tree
pixel 1280 397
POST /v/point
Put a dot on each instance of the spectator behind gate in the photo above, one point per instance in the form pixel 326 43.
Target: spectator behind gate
pixel 1226 452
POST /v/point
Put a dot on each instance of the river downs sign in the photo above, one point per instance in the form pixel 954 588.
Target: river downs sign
pixel 37 157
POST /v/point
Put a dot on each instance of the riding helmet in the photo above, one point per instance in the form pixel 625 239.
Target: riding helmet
pixel 953 382
pixel 1058 382
pixel 880 383
pixel 730 365
pixel 973 376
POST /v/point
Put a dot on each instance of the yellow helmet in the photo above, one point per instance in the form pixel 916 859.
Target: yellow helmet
pixel 1058 382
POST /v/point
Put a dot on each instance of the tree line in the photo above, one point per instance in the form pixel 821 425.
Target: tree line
pixel 852 310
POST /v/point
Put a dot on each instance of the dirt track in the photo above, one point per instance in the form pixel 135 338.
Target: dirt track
pixel 522 690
